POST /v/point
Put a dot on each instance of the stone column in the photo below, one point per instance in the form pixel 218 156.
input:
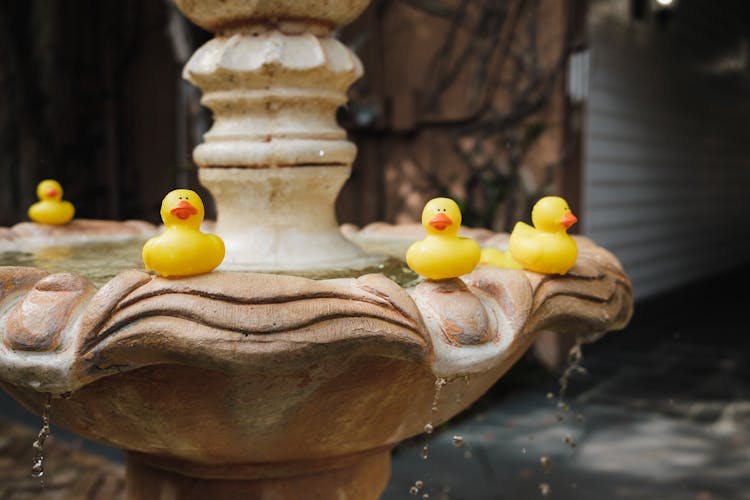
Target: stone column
pixel 275 158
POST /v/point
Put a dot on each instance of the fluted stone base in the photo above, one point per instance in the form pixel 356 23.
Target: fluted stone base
pixel 357 478
pixel 282 219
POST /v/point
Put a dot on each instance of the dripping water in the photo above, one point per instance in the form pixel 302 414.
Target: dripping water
pixel 544 489
pixel 429 426
pixel 574 366
pixel 37 468
pixel 458 441
pixel 418 485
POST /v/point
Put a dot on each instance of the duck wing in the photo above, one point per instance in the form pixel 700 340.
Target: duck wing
pixel 525 244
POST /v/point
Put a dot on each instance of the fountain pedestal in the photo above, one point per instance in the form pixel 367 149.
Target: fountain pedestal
pixel 357 477
pixel 275 158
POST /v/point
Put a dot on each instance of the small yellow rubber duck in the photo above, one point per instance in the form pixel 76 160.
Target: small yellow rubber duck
pixel 182 249
pixel 51 208
pixel 545 248
pixel 442 254
pixel 497 258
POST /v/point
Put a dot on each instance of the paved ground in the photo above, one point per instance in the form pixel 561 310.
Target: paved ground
pixel 665 409
pixel 663 413
pixel 69 472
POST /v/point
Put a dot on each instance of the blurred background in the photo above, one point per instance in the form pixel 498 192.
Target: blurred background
pixel 634 110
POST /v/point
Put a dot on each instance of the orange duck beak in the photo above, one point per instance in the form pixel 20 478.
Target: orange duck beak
pixel 568 220
pixel 183 210
pixel 51 193
pixel 440 221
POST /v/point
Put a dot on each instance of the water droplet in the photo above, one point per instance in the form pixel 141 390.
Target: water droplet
pixel 568 439
pixel 546 463
pixel 419 484
pixel 544 489
pixel 426 495
pixel 428 428
pixel 458 441
pixel 37 470
pixel 550 395
pixel 563 406
pixel 425 451
pixel 414 490
pixel 523 450
pixel 321 153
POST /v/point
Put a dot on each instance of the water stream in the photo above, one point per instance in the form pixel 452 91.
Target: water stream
pixel 573 367
pixel 37 468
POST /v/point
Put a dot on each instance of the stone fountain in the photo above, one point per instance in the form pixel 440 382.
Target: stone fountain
pixel 240 384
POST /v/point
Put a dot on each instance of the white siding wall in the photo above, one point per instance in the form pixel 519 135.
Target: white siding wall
pixel 667 162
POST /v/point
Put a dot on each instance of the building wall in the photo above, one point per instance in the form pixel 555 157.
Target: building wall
pixel 667 161
pixel 461 99
pixel 87 96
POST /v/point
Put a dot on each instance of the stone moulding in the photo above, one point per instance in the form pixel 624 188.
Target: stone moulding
pixel 30 234
pixel 219 15
pixel 154 366
pixel 274 98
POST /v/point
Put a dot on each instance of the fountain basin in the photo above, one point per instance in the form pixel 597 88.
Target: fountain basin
pixel 256 377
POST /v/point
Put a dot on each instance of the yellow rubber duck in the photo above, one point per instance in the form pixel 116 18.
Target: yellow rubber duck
pixel 545 248
pixel 497 258
pixel 182 249
pixel 442 254
pixel 51 208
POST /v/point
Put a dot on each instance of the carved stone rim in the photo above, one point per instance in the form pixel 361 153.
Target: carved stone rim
pixel 31 234
pixel 454 326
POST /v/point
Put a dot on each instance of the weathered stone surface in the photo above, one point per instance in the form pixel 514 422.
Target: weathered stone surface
pixel 81 229
pixel 360 478
pixel 216 15
pixel 459 314
pixel 36 323
pixel 16 280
